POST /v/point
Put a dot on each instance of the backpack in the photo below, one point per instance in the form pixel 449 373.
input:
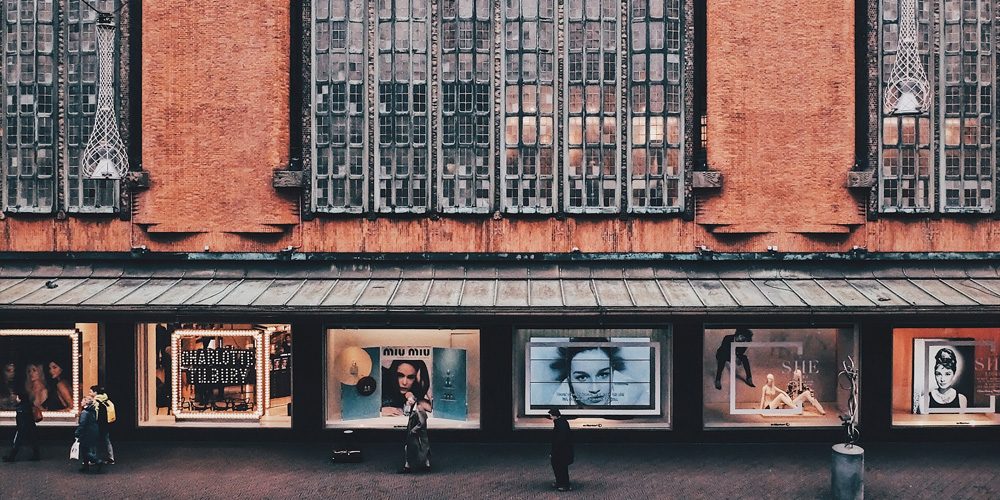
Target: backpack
pixel 109 408
pixel 106 412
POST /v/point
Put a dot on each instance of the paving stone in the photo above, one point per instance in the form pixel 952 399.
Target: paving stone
pixel 510 470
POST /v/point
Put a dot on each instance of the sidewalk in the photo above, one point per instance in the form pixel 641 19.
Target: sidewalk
pixel 271 470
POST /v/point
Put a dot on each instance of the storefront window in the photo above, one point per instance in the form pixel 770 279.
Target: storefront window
pixel 51 367
pixel 599 378
pixel 371 372
pixel 775 377
pixel 945 376
pixel 208 375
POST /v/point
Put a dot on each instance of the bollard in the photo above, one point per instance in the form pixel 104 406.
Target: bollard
pixel 848 472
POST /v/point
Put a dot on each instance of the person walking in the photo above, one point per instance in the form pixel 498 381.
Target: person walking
pixel 88 433
pixel 562 450
pixel 105 417
pixel 27 431
pixel 417 451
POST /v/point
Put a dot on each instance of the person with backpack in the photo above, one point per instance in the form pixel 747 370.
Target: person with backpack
pixel 105 417
pixel 27 431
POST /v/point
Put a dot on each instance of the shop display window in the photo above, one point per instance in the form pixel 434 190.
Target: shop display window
pixel 600 378
pixel 51 367
pixel 775 377
pixel 945 376
pixel 370 372
pixel 210 375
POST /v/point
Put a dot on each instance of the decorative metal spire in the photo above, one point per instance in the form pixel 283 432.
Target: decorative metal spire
pixel 907 91
pixel 105 156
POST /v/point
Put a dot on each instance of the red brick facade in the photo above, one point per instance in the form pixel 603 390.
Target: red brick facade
pixel 781 96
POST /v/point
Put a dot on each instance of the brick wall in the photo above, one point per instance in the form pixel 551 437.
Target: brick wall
pixel 215 117
pixel 781 128
pixel 781 116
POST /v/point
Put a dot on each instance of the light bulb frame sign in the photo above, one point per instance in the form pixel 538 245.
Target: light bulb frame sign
pixel 23 341
pixel 219 366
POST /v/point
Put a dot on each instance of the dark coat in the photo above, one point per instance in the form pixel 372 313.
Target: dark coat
pixel 24 416
pixel 418 446
pixel 562 442
pixel 87 431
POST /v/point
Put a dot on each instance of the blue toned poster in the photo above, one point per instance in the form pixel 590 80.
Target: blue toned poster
pixel 449 384
pixel 360 382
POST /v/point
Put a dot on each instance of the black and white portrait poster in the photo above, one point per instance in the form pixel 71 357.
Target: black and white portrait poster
pixel 592 376
pixel 946 373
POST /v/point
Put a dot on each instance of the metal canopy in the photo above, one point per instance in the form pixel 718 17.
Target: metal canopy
pixel 502 287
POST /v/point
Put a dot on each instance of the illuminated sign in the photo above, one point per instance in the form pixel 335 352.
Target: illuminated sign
pixel 212 366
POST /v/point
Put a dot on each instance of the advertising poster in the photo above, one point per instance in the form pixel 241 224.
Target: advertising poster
pixel 375 381
pixel 39 366
pixel 449 384
pixel 592 376
pixel 774 376
pixel 948 377
pixel 945 376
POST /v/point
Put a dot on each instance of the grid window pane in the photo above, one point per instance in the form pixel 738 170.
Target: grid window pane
pixel 80 56
pixel 529 117
pixel 654 107
pixel 966 125
pixel 965 140
pixel 464 175
pixel 34 55
pixel 591 175
pixel 402 176
pixel 29 149
pixel 339 127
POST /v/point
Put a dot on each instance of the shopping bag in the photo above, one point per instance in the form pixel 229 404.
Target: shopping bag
pixel 74 451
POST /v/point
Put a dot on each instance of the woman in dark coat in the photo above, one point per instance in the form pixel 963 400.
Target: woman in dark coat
pixel 88 433
pixel 418 448
pixel 27 432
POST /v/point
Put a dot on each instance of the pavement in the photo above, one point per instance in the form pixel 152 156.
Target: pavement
pixel 486 471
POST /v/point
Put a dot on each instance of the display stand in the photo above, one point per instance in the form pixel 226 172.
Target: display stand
pixel 848 472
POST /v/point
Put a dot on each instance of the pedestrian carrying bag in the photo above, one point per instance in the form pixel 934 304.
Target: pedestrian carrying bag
pixel 36 413
pixel 74 451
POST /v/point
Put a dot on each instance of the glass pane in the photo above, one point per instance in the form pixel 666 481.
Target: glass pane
pixel 775 377
pixel 371 374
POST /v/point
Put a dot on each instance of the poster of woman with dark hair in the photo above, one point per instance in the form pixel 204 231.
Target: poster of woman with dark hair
pixel 403 376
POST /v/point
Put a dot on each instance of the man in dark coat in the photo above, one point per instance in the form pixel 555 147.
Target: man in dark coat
pixel 562 450
pixel 27 432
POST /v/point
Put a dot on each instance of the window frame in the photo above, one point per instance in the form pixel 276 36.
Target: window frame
pixel 936 115
pixel 315 192
pixel 65 188
pixel 556 201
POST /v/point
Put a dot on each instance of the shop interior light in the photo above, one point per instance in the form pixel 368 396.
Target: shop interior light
pixel 74 338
